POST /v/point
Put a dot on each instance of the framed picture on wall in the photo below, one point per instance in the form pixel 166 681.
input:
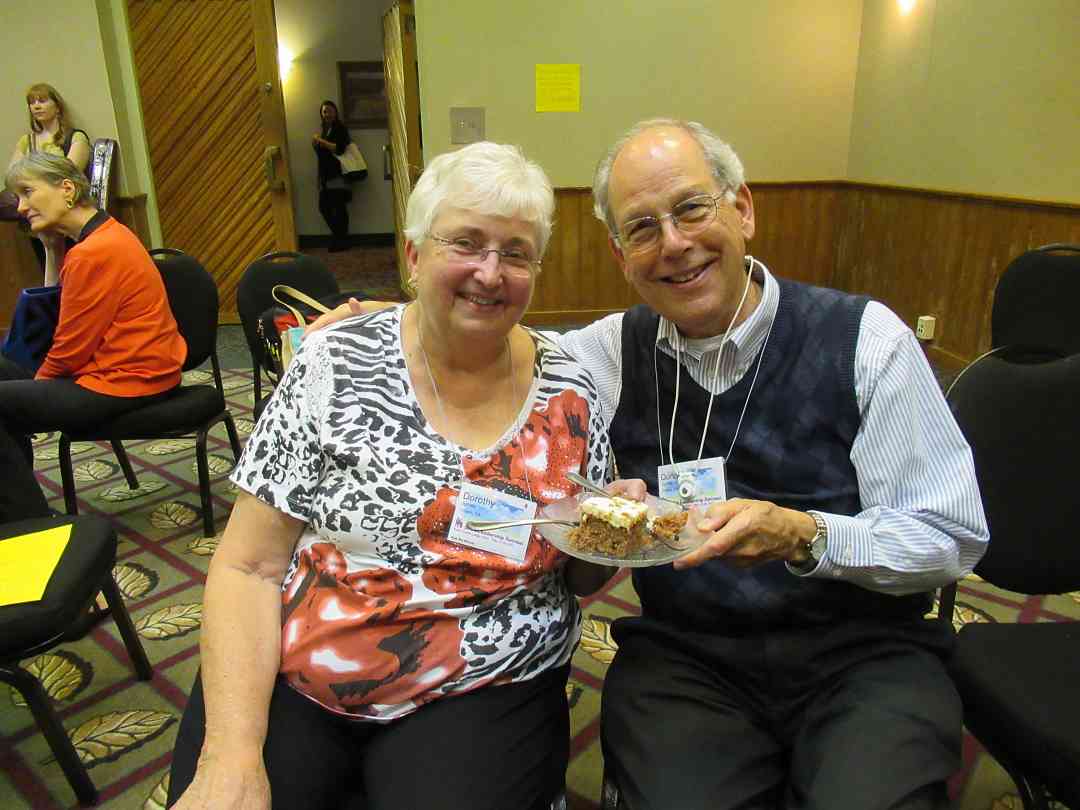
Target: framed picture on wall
pixel 363 95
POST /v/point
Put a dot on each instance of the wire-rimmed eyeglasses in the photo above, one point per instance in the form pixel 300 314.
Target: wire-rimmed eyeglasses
pixel 514 261
pixel 692 215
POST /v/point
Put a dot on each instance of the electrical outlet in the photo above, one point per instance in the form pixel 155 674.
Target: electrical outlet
pixel 925 326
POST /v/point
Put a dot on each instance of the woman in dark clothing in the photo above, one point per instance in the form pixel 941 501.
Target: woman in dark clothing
pixel 334 195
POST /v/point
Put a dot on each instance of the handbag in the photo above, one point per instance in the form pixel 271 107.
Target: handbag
pixel 353 166
pixel 282 328
pixel 37 311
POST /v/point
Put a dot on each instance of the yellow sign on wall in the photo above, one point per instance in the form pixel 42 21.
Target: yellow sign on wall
pixel 558 88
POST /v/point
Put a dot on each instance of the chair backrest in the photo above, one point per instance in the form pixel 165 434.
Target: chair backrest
pixel 193 298
pixel 1035 300
pixel 305 273
pixel 1021 422
pixel 102 157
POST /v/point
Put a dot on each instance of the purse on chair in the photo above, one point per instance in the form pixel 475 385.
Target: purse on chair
pixel 353 166
pixel 37 311
pixel 282 328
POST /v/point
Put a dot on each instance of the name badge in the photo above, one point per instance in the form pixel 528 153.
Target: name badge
pixel 479 503
pixel 694 483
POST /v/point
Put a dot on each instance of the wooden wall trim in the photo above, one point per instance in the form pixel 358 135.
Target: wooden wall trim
pixel 919 251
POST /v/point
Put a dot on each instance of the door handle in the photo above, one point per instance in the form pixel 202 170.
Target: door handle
pixel 387 162
pixel 270 170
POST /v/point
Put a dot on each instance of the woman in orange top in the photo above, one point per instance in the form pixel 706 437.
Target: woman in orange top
pixel 116 346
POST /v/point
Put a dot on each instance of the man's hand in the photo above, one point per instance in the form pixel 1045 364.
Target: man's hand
pixel 747 533
pixel 229 783
pixel 347 310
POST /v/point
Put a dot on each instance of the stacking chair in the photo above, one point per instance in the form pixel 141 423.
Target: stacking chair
pixel 1018 681
pixel 31 628
pixel 102 157
pixel 305 273
pixel 192 410
pixel 1035 300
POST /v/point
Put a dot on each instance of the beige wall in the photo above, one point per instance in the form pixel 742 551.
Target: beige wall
pixel 70 57
pixel 776 77
pixel 88 60
pixel 319 36
pixel 978 96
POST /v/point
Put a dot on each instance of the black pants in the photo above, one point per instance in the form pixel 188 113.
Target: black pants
pixel 334 207
pixel 495 748
pixel 858 716
pixel 37 406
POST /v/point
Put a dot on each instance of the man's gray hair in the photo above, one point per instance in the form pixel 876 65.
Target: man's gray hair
pixel 488 178
pixel 726 166
pixel 53 169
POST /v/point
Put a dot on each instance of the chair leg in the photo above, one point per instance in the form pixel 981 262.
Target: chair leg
pixel 67 475
pixel 127 629
pixel 53 731
pixel 204 483
pixel 234 437
pixel 125 464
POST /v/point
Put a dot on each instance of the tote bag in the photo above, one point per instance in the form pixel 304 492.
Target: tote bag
pixel 353 167
pixel 37 311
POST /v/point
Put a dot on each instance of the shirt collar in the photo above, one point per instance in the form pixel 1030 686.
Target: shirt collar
pixel 747 337
pixel 92 224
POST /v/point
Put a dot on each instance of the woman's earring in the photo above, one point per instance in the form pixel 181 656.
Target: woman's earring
pixel 70 203
pixel 410 285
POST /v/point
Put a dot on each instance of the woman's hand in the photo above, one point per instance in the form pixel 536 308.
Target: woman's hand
pixel 231 782
pixel 633 489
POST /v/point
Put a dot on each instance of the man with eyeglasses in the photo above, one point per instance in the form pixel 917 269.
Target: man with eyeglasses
pixel 786 662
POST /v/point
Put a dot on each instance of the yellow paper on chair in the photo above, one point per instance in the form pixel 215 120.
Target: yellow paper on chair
pixel 27 563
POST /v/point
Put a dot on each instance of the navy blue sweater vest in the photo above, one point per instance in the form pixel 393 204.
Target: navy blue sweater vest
pixel 793 449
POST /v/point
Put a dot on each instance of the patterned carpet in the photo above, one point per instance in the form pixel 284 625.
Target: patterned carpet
pixel 123 729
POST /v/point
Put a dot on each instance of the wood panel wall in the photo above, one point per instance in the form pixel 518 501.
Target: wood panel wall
pixel 920 252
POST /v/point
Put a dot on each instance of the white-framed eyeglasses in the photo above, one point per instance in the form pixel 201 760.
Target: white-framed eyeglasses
pixel 692 215
pixel 514 261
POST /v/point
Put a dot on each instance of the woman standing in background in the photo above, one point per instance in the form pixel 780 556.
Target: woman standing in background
pixel 334 195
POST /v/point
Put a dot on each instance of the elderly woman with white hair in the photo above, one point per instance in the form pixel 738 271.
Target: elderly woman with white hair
pixel 358 640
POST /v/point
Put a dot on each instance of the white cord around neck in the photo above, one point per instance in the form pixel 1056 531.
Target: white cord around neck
pixel 750 260
pixel 439 401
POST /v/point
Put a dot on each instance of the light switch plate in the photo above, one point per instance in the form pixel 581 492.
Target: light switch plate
pixel 466 124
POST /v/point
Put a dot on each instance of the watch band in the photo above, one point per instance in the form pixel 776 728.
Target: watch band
pixel 819 542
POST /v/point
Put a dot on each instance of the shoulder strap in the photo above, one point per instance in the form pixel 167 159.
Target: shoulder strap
pixel 303 298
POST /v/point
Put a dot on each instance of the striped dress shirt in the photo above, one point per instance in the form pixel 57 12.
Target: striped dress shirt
pixel 922 522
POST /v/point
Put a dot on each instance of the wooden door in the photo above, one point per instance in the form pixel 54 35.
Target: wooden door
pixel 403 101
pixel 214 115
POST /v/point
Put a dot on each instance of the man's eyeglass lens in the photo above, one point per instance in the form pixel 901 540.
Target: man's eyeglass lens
pixel 689 216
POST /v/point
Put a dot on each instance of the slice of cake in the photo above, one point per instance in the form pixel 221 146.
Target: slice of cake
pixel 614 526
pixel 667 527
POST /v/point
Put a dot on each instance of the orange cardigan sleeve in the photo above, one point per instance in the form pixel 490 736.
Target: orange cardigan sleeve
pixel 88 306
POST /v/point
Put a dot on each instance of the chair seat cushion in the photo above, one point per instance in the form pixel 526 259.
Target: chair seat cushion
pixel 185 412
pixel 1019 687
pixel 87 558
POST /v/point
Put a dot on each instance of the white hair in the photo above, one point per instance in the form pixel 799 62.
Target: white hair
pixel 726 166
pixel 488 178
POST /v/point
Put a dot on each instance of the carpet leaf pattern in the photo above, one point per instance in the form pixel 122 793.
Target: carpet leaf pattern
pixel 135 581
pixel 122 492
pixel 107 736
pixel 62 675
pixel 95 471
pixel 126 728
pixel 171 621
pixel 173 515
pixel 596 640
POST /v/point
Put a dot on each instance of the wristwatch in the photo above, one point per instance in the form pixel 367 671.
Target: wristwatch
pixel 814 547
pixel 820 541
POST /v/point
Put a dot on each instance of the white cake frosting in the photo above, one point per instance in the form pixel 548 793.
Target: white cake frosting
pixel 617 512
